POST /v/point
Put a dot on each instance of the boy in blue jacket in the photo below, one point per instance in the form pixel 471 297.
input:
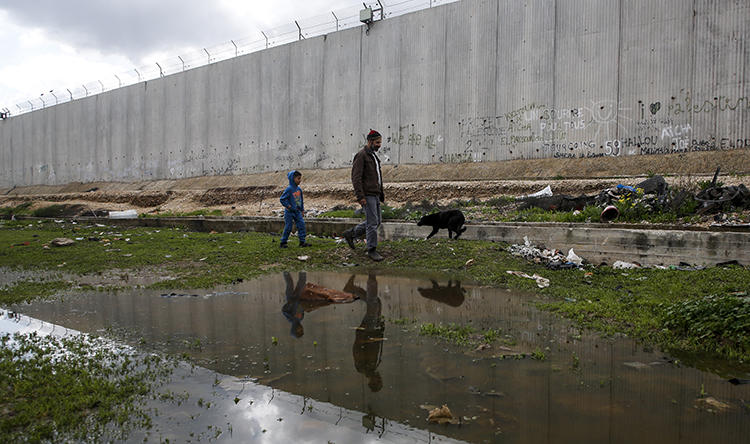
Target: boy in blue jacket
pixel 294 209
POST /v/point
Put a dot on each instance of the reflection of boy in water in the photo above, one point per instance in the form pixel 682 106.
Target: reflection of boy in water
pixel 292 310
pixel 368 339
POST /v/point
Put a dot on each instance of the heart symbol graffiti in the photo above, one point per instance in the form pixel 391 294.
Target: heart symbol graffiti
pixel 654 107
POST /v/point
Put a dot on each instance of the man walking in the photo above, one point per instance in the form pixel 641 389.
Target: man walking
pixel 367 181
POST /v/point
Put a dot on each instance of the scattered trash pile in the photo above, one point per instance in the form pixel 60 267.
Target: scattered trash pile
pixel 556 260
pixel 652 195
pixel 714 199
pixel 552 259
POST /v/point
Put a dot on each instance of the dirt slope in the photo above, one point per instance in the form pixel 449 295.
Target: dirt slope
pixel 253 195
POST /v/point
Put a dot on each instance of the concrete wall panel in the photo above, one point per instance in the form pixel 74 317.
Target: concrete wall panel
pixel 118 129
pixel 471 81
pixel 59 173
pixel 305 94
pixel 525 82
pixel 275 67
pixel 342 131
pixel 196 121
pixel 720 94
pixel 154 156
pixel 102 146
pixel 136 131
pixel 73 163
pixel 247 113
pixel 5 152
pixel 584 115
pixel 219 106
pixel 471 87
pixel 381 88
pixel 423 83
pixel 656 56
pixel 174 126
pixel 36 154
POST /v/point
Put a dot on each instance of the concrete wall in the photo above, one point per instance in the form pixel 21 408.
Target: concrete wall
pixel 472 81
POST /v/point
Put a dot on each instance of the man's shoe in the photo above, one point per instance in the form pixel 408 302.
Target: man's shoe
pixel 305 244
pixel 282 245
pixel 349 237
pixel 374 255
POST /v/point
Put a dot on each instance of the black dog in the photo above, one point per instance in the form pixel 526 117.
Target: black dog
pixel 453 220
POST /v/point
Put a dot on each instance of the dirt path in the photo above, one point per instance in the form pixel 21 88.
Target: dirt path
pixel 257 195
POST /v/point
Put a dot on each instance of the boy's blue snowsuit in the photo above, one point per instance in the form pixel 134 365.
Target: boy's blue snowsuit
pixel 294 205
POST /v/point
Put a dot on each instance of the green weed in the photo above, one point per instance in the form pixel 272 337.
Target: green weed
pixel 84 394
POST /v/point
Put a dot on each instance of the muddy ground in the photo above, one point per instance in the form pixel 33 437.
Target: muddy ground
pixel 258 194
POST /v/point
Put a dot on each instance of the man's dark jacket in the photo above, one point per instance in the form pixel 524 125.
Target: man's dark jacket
pixel 365 175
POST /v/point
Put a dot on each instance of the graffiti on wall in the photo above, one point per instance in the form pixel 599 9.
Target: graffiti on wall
pixel 603 128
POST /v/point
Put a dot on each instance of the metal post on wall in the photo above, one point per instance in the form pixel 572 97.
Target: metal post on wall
pixel 161 71
pixel 71 94
pixel 337 21
pixel 31 104
pixel 85 89
pixel 53 95
pixel 209 55
pixel 183 62
pixel 41 98
pixel 236 51
pixel 266 37
pixel 101 84
pixel 139 74
pixel 300 31
pixel 119 82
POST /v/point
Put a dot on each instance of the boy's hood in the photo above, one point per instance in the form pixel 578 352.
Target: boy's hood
pixel 290 176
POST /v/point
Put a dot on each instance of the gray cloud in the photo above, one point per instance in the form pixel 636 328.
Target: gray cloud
pixel 133 27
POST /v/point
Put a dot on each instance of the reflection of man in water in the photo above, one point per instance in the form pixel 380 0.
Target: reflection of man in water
pixel 292 309
pixel 368 339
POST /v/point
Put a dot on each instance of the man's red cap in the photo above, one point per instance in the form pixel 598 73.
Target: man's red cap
pixel 372 135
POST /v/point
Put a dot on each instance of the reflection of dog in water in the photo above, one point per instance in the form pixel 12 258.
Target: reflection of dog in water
pixel 450 294
pixel 453 220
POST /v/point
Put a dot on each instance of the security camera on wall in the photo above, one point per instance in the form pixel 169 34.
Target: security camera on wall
pixel 365 15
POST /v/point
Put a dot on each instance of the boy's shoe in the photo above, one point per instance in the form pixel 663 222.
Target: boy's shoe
pixel 283 245
pixel 374 255
pixel 349 237
pixel 305 244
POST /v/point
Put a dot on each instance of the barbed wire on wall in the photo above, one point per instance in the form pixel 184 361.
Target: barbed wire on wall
pixel 300 29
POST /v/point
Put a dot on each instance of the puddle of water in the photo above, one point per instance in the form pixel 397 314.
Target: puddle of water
pixel 587 389
pixel 201 405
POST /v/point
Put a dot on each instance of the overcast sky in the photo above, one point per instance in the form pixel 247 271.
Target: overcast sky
pixel 53 45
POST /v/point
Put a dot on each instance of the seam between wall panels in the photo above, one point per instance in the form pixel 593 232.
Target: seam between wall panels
pixel 619 64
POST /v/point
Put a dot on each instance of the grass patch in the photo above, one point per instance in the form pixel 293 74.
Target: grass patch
pixel 50 211
pixel 18 210
pixel 590 213
pixel 343 213
pixel 714 319
pixel 26 291
pixel 202 212
pixel 459 334
pixel 72 389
